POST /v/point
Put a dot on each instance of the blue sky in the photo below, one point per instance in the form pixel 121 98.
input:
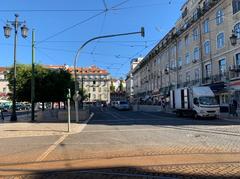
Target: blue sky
pixel 53 46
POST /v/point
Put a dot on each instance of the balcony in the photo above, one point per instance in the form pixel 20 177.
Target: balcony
pixel 234 71
pixel 234 68
pixel 218 78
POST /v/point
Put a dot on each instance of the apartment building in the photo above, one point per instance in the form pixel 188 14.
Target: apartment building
pixel 129 79
pixel 197 51
pixel 4 90
pixel 95 81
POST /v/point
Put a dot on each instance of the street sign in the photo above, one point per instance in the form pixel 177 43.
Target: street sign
pixel 69 94
pixel 77 97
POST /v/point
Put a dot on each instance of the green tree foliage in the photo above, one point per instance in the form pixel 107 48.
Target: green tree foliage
pixel 121 85
pixel 50 85
pixel 112 87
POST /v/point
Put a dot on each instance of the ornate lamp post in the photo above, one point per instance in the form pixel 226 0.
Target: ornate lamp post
pixel 7 32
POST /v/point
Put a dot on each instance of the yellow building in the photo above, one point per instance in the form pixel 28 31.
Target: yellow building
pixel 196 52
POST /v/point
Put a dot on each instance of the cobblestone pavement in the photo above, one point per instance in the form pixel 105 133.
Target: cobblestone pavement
pixel 125 144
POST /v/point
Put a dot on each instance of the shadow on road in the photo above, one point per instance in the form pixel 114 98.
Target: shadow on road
pixel 124 172
pixel 115 117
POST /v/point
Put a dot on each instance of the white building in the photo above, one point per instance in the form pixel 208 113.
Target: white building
pixel 130 80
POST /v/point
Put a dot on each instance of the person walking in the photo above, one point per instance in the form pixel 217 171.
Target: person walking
pixel 163 105
pixel 2 116
pixel 234 107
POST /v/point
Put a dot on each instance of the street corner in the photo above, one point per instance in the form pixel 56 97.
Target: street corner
pixel 79 127
pixel 14 130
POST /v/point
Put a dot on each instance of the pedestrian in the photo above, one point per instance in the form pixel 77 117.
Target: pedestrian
pixel 2 115
pixel 163 105
pixel 104 106
pixel 234 107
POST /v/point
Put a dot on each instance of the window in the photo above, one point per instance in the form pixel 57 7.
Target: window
pixel 208 70
pixel 179 62
pixel 187 58
pixel 195 34
pixel 186 40
pixel 99 89
pixel 195 14
pixel 173 51
pixel 237 30
pixel 180 78
pixel 94 96
pixel 196 54
pixel 236 6
pixel 219 17
pixel 188 77
pixel 94 89
pixel 173 64
pixel 94 82
pixel 197 74
pixel 206 26
pixel 222 66
pixel 207 47
pixel 179 47
pixel 4 90
pixel 220 40
pixel 238 59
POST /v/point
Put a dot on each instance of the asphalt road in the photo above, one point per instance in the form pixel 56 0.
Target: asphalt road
pixel 130 144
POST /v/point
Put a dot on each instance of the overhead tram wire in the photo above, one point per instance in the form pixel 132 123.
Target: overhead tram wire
pixel 50 10
pixel 101 28
pixel 79 23
pixel 143 6
pixel 48 56
pixel 71 27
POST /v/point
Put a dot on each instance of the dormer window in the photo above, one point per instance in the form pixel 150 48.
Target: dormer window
pixel 184 13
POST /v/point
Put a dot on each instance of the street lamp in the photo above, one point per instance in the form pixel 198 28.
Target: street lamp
pixel 233 39
pixel 7 32
pixel 142 32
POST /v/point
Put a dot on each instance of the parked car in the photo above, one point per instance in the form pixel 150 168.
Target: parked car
pixel 5 108
pixel 123 105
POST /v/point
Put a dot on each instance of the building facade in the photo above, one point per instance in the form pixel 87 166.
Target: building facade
pixel 4 89
pixel 196 52
pixel 95 82
pixel 129 79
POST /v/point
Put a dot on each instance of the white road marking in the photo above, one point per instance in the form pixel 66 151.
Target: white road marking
pixel 61 139
pixel 50 149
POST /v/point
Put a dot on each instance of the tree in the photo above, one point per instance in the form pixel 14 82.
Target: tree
pixel 50 85
pixel 112 87
pixel 121 86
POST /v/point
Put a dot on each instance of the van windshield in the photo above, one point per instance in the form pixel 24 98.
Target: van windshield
pixel 208 100
pixel 123 102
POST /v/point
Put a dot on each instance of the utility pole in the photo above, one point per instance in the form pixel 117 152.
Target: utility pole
pixel 33 77
pixel 82 93
pixel 69 110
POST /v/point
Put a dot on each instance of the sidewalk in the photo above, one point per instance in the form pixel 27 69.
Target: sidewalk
pixel 45 127
pixel 228 117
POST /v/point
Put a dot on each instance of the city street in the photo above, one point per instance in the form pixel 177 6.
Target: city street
pixel 129 144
